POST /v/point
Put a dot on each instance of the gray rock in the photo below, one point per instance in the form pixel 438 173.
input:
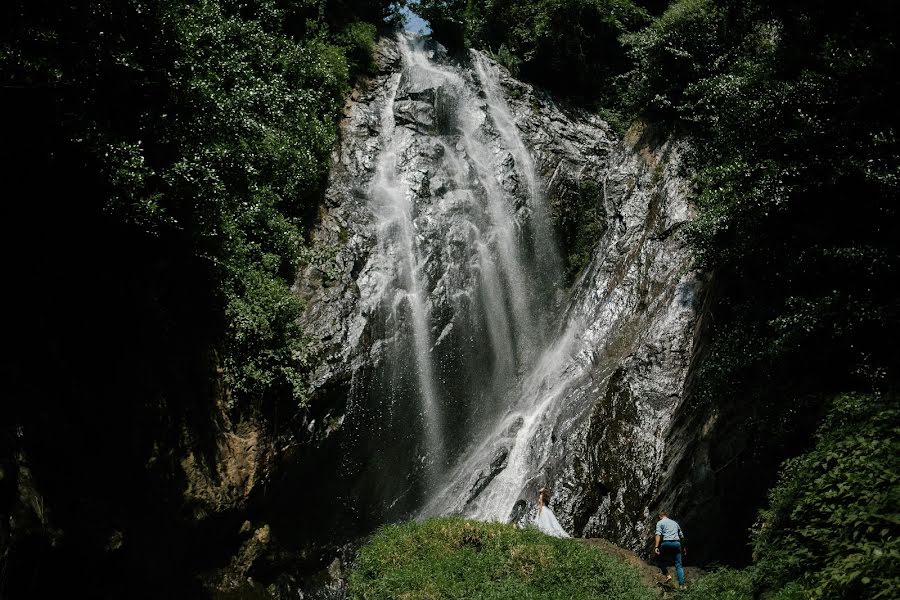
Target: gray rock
pixel 497 464
pixel 468 374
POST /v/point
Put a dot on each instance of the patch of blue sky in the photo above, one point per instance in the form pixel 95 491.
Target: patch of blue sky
pixel 415 23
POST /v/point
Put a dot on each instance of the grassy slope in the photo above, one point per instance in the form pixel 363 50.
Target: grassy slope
pixel 454 558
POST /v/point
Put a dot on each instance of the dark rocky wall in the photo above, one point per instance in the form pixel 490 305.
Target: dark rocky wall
pixel 718 468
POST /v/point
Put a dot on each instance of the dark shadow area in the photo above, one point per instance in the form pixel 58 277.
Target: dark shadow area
pixel 106 365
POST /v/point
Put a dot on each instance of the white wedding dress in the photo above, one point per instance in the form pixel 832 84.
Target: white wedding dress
pixel 546 522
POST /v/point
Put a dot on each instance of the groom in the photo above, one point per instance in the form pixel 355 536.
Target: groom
pixel 669 545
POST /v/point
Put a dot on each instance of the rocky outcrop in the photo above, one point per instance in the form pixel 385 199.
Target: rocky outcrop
pixel 572 387
pixel 224 475
pixel 114 495
pixel 641 297
pixel 598 406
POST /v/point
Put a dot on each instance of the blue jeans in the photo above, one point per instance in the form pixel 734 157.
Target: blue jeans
pixel 666 551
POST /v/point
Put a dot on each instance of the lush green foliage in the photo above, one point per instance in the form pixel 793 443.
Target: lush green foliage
pixel 833 520
pixel 253 128
pixel 208 124
pixel 453 558
pixel 678 48
pixel 569 45
pixel 359 41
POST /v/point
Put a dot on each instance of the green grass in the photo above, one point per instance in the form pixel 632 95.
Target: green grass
pixel 724 584
pixel 449 558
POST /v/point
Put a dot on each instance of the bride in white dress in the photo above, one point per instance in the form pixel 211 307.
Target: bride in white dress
pixel 546 520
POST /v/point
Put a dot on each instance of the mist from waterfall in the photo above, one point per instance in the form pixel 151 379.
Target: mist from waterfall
pixel 396 231
pixel 460 289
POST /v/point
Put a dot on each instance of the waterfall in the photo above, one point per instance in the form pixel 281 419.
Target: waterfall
pixel 396 228
pixel 470 375
pixel 459 286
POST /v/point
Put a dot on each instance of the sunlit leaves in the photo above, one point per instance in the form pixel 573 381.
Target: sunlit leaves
pixel 210 123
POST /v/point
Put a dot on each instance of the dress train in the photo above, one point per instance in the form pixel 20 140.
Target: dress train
pixel 546 522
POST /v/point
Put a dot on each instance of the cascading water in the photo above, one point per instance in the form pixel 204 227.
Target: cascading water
pixel 441 316
pixel 393 208
pixel 460 278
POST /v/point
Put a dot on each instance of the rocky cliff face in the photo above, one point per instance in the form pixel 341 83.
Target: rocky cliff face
pixel 119 491
pixel 460 373
pixel 595 412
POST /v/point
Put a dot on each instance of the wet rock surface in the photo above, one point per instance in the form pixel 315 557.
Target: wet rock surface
pixel 579 394
pixel 434 278
pixel 598 406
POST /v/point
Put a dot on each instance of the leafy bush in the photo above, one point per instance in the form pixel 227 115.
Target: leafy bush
pixel 209 125
pixel 571 46
pixel 454 558
pixel 579 223
pixel 253 127
pixel 678 48
pixel 509 60
pixel 265 347
pixel 832 523
pixel 358 41
pixel 447 20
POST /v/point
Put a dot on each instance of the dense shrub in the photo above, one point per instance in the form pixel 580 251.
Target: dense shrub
pixel 453 558
pixel 571 46
pixel 832 520
pixel 358 39
pixel 210 123
pixel 253 127
pixel 681 46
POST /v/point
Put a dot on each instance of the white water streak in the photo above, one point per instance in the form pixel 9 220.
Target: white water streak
pixel 397 239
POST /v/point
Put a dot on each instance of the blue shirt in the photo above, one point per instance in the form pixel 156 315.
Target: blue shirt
pixel 669 530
